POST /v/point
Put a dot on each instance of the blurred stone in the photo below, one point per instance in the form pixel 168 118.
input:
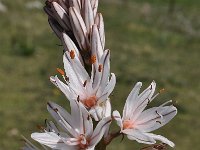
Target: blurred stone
pixel 3 8
pixel 146 10
pixel 34 5
pixel 13 132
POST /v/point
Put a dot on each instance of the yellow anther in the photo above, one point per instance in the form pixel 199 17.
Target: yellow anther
pixel 100 68
pixel 61 71
pixel 72 54
pixel 93 59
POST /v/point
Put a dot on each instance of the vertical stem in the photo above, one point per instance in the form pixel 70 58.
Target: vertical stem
pixel 101 145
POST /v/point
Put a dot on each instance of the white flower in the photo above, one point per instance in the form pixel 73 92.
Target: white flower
pixel 29 146
pixel 77 126
pixel 93 91
pixel 136 122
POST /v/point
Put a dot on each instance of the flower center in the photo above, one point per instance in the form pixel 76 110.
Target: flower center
pixel 90 102
pixel 83 142
pixel 128 124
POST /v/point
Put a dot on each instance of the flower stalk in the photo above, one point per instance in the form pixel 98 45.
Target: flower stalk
pixel 87 83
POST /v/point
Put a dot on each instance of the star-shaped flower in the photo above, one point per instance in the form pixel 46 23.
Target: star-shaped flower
pixel 78 132
pixel 91 90
pixel 136 122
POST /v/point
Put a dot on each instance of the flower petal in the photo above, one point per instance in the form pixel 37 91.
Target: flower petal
pixel 86 121
pixel 107 108
pixel 49 139
pixel 61 16
pixel 78 27
pixel 139 136
pixel 154 118
pixel 87 14
pixel 63 118
pixel 76 73
pixel 108 89
pixel 117 117
pixel 100 24
pixel 131 101
pixel 161 138
pixel 142 101
pixel 55 27
pixel 105 61
pixel 69 45
pixel 96 46
pixel 63 87
pixel 100 130
pixel 94 4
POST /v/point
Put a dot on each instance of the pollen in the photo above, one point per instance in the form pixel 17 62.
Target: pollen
pixel 128 124
pixel 72 54
pixel 90 102
pixel 93 59
pixel 61 71
pixel 100 68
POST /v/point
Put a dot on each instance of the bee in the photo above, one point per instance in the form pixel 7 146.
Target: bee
pixel 160 146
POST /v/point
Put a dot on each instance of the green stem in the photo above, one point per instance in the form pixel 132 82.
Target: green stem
pixel 101 145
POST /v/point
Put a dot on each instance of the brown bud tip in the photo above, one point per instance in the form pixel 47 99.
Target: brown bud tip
pixel 100 68
pixel 61 71
pixel 72 54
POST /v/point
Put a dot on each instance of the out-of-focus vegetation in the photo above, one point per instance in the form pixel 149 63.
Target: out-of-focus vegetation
pixel 149 40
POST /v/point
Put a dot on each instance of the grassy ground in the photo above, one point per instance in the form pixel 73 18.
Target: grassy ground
pixel 147 43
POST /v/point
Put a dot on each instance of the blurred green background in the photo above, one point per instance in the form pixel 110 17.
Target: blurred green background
pixel 149 40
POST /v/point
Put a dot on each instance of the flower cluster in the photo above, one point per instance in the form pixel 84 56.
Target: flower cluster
pixel 87 83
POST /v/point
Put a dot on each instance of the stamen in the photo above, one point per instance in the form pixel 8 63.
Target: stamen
pixel 66 78
pixel 164 104
pixel 100 68
pixel 154 96
pixel 159 114
pixel 93 59
pixel 60 71
pixel 158 122
pixel 148 101
pixel 78 98
pixel 84 84
pixel 72 54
